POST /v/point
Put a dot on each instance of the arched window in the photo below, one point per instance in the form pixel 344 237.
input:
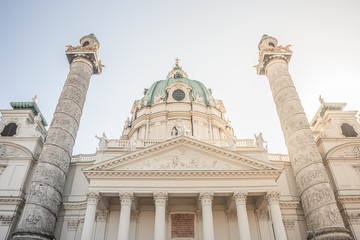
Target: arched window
pixel 271 44
pixel 348 130
pixel 85 43
pixel 9 130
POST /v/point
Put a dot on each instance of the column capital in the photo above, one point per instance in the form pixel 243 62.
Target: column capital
pixel 160 198
pixel 240 197
pixel 273 197
pixel 93 198
pixel 126 198
pixel 206 198
pixel 270 50
pixel 72 225
pixel 88 49
pixel 102 215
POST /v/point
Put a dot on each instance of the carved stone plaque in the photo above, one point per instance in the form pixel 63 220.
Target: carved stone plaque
pixel 182 225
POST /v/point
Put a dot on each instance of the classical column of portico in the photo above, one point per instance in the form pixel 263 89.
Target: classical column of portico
pixel 89 222
pixel 276 217
pixel 160 199
pixel 207 217
pixel 126 199
pixel 43 201
pixel 240 201
pixel 316 193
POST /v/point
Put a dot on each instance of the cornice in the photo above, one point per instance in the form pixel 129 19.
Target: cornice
pixel 181 173
pixel 186 141
pixel 347 199
pixel 11 200
pixel 291 205
pixel 73 205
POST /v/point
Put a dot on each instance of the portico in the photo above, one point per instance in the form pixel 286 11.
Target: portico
pixel 202 206
pixel 151 196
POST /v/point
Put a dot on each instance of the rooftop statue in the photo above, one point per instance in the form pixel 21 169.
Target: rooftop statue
pixel 103 141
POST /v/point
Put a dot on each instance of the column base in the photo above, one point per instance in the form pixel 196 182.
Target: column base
pixel 31 236
pixel 334 233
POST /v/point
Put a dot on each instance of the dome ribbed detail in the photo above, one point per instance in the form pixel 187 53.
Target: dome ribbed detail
pixel 159 89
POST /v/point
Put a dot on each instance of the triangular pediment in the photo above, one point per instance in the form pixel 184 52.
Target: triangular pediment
pixel 184 154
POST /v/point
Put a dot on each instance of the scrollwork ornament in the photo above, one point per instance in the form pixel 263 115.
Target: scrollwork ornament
pixel 354 218
pixel 72 225
pixel 93 198
pixel 126 198
pixel 240 197
pixel 206 198
pixel 102 215
pixel 273 197
pixel 289 224
pixel 160 198
pixel 6 219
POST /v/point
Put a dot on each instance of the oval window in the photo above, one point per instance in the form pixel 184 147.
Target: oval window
pixel 178 95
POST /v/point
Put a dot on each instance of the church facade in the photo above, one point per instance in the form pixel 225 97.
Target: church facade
pixel 178 171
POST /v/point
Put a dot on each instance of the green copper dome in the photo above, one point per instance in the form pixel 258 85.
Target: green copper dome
pixel 177 74
pixel 159 89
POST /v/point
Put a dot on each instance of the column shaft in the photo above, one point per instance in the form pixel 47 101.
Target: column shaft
pixel 90 214
pixel 43 202
pixel 124 223
pixel 207 217
pixel 279 229
pixel 160 199
pixel 313 183
pixel 39 216
pixel 243 221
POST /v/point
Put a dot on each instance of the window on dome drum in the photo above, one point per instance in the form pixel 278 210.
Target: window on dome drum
pixel 348 130
pixel 85 43
pixel 9 130
pixel 271 44
pixel 178 95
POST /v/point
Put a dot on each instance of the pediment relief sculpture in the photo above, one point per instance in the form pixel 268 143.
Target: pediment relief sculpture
pixel 183 160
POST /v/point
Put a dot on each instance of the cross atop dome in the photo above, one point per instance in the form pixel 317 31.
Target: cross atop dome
pixel 177 61
pixel 177 71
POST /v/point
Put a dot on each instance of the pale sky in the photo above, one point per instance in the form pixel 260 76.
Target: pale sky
pixel 216 42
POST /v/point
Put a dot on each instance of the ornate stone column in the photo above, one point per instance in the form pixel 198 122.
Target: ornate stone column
pixel 317 196
pixel 160 199
pixel 89 222
pixel 279 229
pixel 102 217
pixel 206 206
pixel 240 201
pixel 42 204
pixel 126 199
